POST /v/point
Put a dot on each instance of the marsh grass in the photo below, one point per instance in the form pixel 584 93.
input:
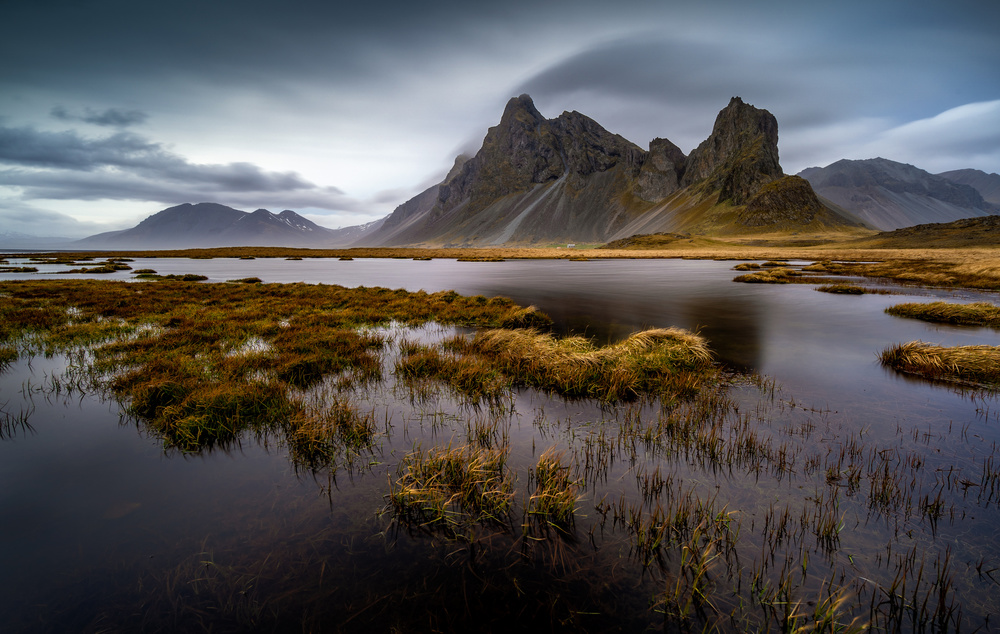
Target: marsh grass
pixel 207 365
pixel 111 265
pixel 333 429
pixel 976 314
pixel 779 275
pixel 555 497
pixel 969 364
pixel 841 289
pixel 178 356
pixel 667 361
pixel 476 378
pixel 451 488
pixel 8 355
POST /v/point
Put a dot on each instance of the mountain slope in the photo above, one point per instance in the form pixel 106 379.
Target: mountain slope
pixel 214 225
pixel 569 180
pixel 988 185
pixel 890 195
pixel 982 231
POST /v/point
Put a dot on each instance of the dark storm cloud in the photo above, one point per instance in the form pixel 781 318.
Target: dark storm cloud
pixel 126 166
pixel 112 117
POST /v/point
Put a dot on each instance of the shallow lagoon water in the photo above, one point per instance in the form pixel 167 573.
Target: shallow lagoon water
pixel 100 518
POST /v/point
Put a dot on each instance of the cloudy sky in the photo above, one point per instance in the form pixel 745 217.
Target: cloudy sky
pixel 111 110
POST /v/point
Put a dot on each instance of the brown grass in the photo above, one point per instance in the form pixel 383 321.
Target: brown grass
pixel 202 363
pixel 976 314
pixel 664 361
pixel 450 487
pixel 966 364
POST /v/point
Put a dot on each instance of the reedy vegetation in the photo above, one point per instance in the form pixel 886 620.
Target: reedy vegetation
pixel 204 364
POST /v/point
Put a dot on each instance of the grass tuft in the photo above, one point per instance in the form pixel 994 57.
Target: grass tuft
pixel 555 496
pixel 448 488
pixel 967 364
pixel 977 314
pixel 663 361
pixel 841 289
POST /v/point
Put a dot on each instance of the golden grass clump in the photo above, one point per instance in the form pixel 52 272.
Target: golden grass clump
pixel 666 361
pixel 976 314
pixel 979 365
pixel 555 496
pixel 449 487
pixel 746 266
pixel 841 289
pixel 778 275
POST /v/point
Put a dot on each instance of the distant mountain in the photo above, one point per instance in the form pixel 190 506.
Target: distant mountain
pixel 214 225
pixel 890 195
pixel 538 180
pixel 988 185
pixel 25 241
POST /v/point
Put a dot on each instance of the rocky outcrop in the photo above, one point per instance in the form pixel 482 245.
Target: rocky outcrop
pixel 661 172
pixel 788 200
pixel 525 149
pixel 739 156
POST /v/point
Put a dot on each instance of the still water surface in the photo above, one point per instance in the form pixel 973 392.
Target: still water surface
pixel 101 529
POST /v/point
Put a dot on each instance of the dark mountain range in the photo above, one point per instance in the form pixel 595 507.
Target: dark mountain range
pixel 890 195
pixel 538 180
pixel 988 185
pixel 214 225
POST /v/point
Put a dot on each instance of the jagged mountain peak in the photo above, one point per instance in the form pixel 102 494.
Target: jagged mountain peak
pixel 569 179
pixel 520 109
pixel 739 156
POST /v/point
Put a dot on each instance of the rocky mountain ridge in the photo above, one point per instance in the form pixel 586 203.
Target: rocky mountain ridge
pixel 538 180
pixel 890 195
pixel 988 185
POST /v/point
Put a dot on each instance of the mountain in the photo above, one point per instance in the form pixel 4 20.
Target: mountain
pixel 214 225
pixel 538 180
pixel 25 241
pixel 890 195
pixel 988 185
